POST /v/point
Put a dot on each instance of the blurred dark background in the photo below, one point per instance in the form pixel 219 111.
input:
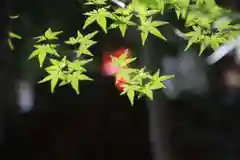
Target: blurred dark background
pixel 196 118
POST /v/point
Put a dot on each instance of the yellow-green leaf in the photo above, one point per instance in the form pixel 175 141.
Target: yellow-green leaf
pixel 158 23
pixel 155 32
pixel 130 94
pixel 89 21
pixel 101 20
pixel 123 28
pixel 191 42
pixel 84 77
pixel 166 77
pixel 204 44
pixel 48 78
pixel 144 36
pixel 74 83
pixel 149 93
pixel 54 83
pixel 41 58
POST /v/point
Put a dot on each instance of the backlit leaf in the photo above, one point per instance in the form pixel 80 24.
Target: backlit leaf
pixel 75 83
pixel 54 83
pixel 99 16
pixel 147 25
pixel 49 35
pixel 130 94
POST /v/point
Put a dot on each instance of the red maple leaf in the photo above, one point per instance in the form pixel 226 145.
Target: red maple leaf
pixel 109 70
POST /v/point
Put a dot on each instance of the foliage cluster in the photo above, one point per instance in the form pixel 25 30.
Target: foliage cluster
pixel 203 18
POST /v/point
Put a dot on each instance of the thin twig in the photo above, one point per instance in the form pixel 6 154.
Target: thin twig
pixel 119 3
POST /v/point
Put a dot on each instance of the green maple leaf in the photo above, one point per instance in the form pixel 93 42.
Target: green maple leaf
pixel 42 50
pixel 140 76
pixel 83 49
pixel 130 91
pixel 122 23
pixel 146 90
pixel 204 44
pixel 124 11
pixel 222 25
pixel 151 12
pixel 53 77
pixel 216 40
pixel 199 2
pixel 49 35
pixel 75 74
pixel 130 94
pixel 82 39
pixel 194 36
pixel 67 72
pixel 154 85
pixel 87 39
pixel 181 7
pixel 162 78
pixel 148 26
pixel 154 4
pixel 99 16
pixel 76 40
pixel 205 39
pixel 55 72
pixel 156 80
pixel 74 79
pixel 161 5
pixel 61 64
pixel 178 12
pixel 139 8
pixel 82 77
pixel 74 83
pixel 197 18
pixel 143 9
pixel 77 65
